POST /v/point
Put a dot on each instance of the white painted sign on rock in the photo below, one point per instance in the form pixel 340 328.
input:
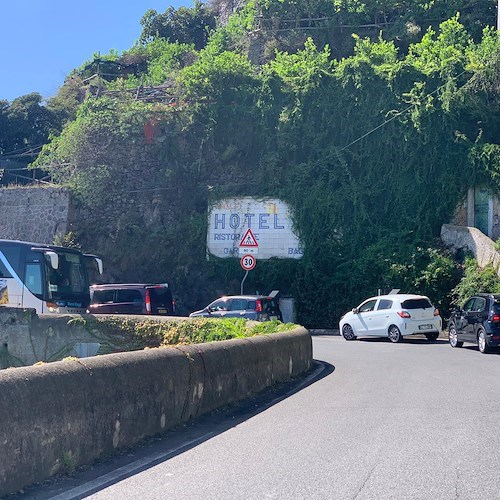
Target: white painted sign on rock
pixel 268 219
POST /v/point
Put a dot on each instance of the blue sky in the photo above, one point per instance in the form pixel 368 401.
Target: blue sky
pixel 41 41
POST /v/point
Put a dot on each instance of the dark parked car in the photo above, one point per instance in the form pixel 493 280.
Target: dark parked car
pixel 256 307
pixel 131 298
pixel 477 322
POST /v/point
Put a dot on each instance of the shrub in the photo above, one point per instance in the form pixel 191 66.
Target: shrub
pixel 127 334
pixel 475 280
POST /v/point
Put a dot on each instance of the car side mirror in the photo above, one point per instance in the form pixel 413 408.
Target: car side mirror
pixel 355 310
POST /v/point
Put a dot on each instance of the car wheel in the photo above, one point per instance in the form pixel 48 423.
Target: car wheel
pixel 432 336
pixel 348 332
pixel 482 343
pixel 453 337
pixel 395 334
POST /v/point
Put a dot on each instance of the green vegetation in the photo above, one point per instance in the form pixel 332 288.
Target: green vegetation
pixel 373 137
pixel 184 25
pixel 25 126
pixel 475 280
pixel 118 334
pixel 67 463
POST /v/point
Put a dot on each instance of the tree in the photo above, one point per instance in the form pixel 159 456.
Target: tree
pixel 184 25
pixel 25 126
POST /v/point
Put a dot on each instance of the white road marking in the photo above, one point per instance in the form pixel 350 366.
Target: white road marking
pixel 122 471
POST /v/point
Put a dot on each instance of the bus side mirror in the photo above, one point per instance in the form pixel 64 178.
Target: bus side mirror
pixel 96 259
pixel 99 264
pixel 54 259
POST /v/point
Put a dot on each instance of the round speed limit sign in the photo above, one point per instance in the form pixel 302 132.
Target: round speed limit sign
pixel 248 262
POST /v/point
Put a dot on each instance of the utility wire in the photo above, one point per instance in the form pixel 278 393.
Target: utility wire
pixel 329 26
pixel 405 110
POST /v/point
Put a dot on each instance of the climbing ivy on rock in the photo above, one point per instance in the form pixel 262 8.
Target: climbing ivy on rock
pixel 373 153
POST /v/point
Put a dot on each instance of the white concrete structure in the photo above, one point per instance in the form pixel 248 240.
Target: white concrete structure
pixel 472 239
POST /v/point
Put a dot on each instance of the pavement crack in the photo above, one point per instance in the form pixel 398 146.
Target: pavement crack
pixel 360 489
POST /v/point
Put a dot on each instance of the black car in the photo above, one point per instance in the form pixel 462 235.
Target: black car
pixel 477 322
pixel 131 298
pixel 254 307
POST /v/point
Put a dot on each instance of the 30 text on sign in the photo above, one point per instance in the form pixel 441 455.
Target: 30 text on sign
pixel 248 262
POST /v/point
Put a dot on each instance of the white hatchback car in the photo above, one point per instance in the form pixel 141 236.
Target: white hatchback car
pixel 393 316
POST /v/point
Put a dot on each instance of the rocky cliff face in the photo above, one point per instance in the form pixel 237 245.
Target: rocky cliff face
pixel 224 9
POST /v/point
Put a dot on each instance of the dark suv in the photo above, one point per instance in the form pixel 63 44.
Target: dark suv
pixel 477 322
pixel 256 307
pixel 131 298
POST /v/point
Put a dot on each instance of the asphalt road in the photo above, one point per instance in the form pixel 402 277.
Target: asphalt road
pixel 375 420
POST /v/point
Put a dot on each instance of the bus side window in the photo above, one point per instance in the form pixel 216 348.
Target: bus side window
pixel 34 278
pixel 4 273
pixel 15 257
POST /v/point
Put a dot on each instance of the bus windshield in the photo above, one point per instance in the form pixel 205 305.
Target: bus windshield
pixel 69 279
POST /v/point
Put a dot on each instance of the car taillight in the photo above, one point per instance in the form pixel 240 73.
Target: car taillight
pixel 404 314
pixel 148 302
pixel 436 312
pixel 495 318
pixel 258 305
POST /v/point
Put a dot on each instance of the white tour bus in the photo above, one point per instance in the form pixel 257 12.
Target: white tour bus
pixel 47 278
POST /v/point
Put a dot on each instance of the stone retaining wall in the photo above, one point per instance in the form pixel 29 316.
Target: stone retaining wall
pixel 33 214
pixel 69 413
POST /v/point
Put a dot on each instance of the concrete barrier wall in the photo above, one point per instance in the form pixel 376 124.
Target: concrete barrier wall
pixel 68 413
pixel 26 338
pixel 472 239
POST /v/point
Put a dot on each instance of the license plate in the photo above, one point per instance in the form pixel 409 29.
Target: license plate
pixel 162 311
pixel 425 327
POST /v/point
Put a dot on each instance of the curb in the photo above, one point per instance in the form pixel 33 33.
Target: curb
pixel 324 331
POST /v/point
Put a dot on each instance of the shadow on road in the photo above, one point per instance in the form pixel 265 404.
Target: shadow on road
pixel 153 451
pixel 419 341
pixel 406 340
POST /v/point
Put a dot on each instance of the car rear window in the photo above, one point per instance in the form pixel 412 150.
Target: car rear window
pixel 241 305
pixel 384 304
pixel 102 296
pixel 416 304
pixel 495 308
pixel 480 304
pixel 251 305
pixel 160 297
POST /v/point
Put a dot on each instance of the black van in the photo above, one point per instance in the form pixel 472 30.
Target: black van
pixel 131 298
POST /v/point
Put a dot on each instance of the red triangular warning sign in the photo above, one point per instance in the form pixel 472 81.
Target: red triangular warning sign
pixel 248 240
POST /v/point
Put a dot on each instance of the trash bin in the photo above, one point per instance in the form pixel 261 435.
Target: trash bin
pixel 287 306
